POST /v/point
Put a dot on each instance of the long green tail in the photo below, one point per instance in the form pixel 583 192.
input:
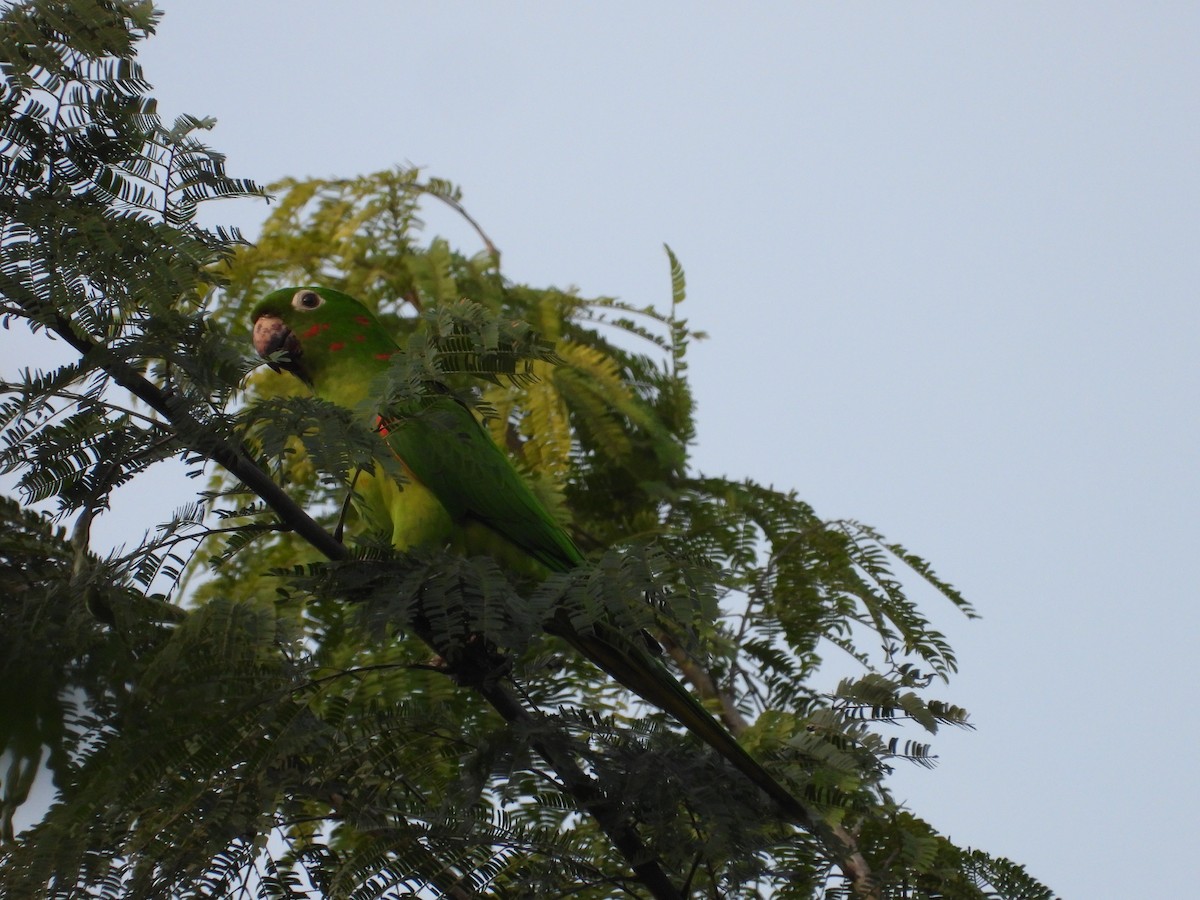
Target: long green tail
pixel 649 680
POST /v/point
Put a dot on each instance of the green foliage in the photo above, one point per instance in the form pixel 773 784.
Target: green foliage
pixel 59 598
pixel 240 705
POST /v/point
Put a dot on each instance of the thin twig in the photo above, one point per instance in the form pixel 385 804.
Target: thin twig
pixel 492 250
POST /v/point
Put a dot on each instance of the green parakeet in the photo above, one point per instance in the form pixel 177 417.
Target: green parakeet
pixel 462 490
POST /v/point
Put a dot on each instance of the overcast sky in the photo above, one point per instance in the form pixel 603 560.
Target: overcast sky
pixel 947 256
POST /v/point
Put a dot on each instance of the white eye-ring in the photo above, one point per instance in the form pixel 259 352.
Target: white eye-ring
pixel 306 300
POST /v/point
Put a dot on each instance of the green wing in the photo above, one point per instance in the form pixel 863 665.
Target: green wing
pixel 449 453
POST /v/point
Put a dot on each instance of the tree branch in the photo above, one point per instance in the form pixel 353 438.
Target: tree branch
pixel 588 794
pixel 841 843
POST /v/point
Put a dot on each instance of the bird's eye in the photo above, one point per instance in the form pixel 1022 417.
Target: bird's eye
pixel 307 299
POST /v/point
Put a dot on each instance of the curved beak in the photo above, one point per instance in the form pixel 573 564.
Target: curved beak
pixel 272 336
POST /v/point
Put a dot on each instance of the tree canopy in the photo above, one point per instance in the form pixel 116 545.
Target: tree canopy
pixel 259 699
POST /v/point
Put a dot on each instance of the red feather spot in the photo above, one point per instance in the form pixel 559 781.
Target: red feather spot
pixel 316 329
pixel 363 320
pixel 360 337
pixel 336 346
pixel 383 356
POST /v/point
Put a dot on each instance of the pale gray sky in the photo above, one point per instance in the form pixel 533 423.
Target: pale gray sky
pixel 947 255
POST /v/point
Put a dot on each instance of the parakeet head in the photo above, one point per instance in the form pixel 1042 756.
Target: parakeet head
pixel 320 332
